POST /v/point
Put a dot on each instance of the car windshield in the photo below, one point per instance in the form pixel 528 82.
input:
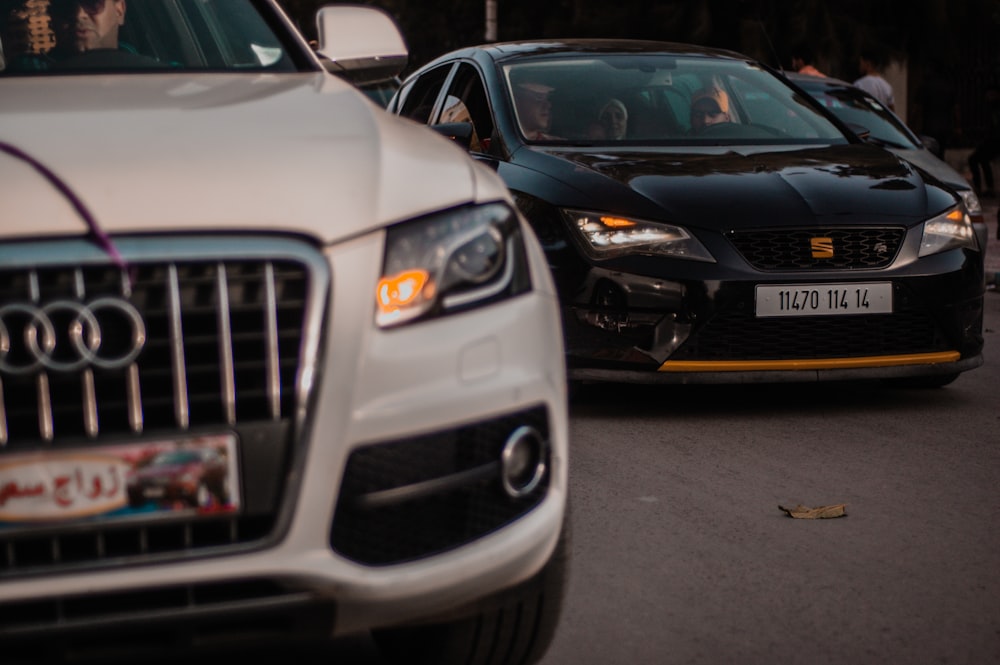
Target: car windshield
pixel 661 99
pixel 854 107
pixel 39 37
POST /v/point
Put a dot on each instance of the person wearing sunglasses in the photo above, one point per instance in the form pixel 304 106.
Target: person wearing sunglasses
pixel 534 110
pixel 709 107
pixel 87 25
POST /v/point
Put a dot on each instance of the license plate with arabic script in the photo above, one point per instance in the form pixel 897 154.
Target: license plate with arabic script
pixel 152 479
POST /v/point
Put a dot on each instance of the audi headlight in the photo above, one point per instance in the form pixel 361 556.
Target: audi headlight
pixel 606 236
pixel 449 262
pixel 949 230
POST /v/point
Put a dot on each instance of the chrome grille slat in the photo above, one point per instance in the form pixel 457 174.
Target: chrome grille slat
pixel 226 348
pixel 34 291
pixel 3 417
pixel 90 422
pixel 177 350
pixel 229 321
pixel 78 283
pixel 271 313
pixel 133 395
pixel 45 424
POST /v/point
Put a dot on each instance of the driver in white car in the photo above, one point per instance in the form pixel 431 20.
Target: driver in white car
pixel 84 25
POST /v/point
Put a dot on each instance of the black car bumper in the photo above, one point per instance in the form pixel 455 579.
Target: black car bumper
pixel 628 327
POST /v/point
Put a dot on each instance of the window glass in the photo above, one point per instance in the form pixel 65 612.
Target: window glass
pixel 80 36
pixel 659 99
pixel 419 97
pixel 467 102
pixel 855 107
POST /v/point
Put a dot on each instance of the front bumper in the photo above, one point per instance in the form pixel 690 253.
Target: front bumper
pixel 281 571
pixel 702 328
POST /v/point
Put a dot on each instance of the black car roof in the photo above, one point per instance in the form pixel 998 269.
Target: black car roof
pixel 515 49
pixel 804 81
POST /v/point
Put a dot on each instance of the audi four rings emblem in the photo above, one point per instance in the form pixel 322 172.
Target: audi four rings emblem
pixel 66 335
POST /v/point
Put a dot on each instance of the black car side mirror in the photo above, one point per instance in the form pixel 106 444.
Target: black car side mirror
pixel 459 132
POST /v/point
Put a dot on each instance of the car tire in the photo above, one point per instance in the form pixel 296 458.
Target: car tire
pixel 512 627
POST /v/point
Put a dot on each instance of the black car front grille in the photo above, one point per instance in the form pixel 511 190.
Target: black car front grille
pixel 819 249
pixel 736 334
pixel 458 513
pixel 187 347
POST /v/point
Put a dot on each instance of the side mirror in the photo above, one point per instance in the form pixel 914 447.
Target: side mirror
pixel 459 132
pixel 360 43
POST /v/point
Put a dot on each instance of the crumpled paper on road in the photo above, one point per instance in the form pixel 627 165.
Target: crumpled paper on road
pixel 801 512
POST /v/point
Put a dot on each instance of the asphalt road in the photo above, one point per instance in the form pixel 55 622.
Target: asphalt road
pixel 681 554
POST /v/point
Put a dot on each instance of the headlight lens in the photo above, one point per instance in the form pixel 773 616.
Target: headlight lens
pixel 971 201
pixel 606 236
pixel 449 262
pixel 949 230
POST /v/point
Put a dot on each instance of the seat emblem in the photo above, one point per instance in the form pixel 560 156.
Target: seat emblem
pixel 822 248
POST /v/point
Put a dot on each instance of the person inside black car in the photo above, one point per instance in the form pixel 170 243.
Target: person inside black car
pixel 709 107
pixel 534 110
pixel 614 119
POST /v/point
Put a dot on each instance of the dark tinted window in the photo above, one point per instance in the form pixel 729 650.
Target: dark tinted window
pixel 419 97
pixel 467 102
pixel 37 37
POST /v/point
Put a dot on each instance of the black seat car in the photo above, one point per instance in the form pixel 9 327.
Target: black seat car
pixel 736 231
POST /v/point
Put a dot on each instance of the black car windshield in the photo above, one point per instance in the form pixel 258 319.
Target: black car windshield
pixel 661 99
pixel 39 37
pixel 855 107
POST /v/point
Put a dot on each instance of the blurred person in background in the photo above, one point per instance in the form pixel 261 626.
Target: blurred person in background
pixel 873 82
pixel 802 62
pixel 988 147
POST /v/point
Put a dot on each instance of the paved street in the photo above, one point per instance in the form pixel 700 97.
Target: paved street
pixel 993 249
pixel 682 557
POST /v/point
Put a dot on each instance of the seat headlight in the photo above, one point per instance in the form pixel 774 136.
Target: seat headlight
pixel 605 236
pixel 450 261
pixel 949 230
pixel 971 201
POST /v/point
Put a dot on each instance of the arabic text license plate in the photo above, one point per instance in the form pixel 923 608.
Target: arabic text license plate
pixel 147 479
pixel 824 299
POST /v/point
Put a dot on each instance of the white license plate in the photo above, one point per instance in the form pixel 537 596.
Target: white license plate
pixel 823 299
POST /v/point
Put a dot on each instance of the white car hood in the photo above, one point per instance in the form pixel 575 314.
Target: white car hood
pixel 302 153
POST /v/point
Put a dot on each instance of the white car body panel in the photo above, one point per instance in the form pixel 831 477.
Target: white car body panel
pixel 303 156
pixel 213 139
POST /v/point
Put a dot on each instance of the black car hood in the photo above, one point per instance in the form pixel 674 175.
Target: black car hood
pixel 725 189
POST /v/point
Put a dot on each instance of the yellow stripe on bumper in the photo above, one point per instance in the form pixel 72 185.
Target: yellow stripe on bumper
pixel 813 363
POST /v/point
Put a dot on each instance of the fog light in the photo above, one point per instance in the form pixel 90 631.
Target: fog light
pixel 523 461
